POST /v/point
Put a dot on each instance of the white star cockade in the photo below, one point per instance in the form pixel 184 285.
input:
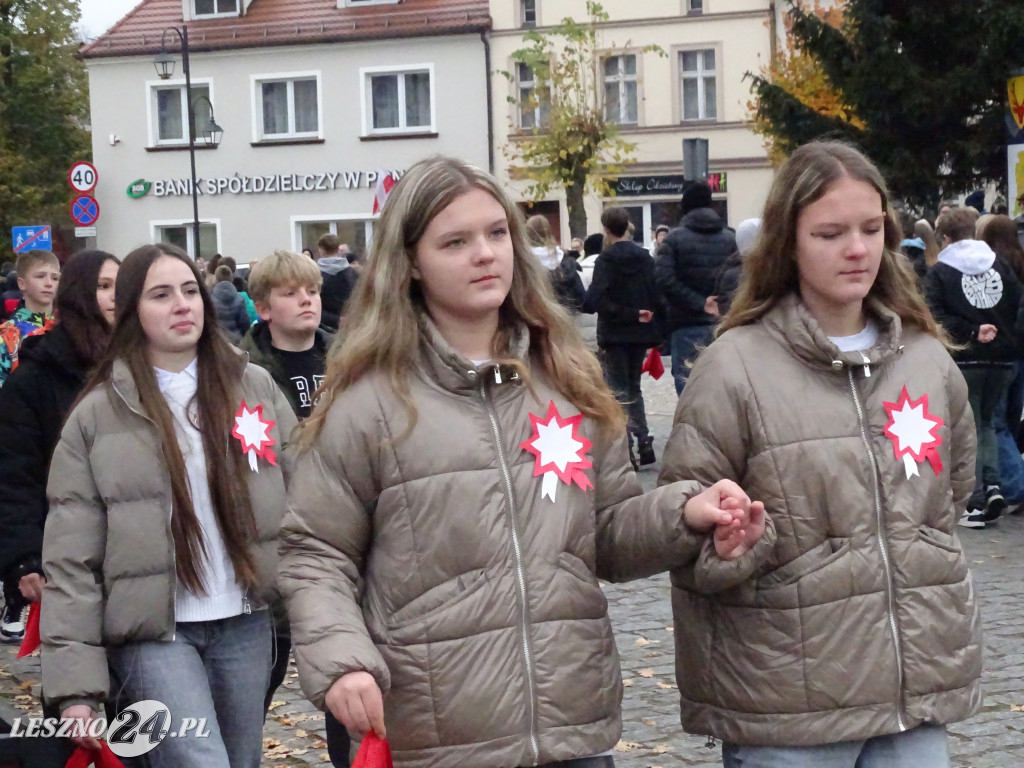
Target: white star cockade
pixel 913 432
pixel 253 432
pixel 560 451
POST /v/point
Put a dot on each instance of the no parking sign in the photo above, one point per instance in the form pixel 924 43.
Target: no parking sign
pixel 85 211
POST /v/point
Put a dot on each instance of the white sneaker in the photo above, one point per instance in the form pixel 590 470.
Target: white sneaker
pixel 12 623
pixel 973 518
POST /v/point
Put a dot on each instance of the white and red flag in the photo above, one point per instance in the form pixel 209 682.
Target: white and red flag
pixel 380 195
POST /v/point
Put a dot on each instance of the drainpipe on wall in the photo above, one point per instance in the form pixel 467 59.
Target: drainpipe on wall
pixel 773 26
pixel 490 100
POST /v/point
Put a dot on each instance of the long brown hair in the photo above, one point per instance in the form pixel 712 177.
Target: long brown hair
pixel 216 392
pixel 76 308
pixel 1001 235
pixel 770 269
pixel 380 330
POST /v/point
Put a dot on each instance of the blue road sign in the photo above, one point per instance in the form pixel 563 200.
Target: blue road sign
pixel 31 238
pixel 85 210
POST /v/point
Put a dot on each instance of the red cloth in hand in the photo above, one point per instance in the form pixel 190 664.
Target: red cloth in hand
pixel 83 758
pixel 31 639
pixel 374 752
pixel 653 364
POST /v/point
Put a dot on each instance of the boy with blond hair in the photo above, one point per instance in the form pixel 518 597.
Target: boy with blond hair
pixel 285 288
pixel 38 275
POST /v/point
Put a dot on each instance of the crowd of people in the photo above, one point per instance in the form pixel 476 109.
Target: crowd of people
pixel 412 472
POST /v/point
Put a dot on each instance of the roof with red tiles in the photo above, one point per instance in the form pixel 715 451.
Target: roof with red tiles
pixel 288 22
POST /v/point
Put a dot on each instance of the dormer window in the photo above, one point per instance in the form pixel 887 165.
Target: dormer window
pixel 361 3
pixel 207 9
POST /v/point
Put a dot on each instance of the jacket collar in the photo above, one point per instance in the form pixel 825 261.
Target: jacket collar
pixel 123 383
pixel 442 364
pixel 790 322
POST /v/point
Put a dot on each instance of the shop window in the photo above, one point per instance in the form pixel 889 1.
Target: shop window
pixel 355 233
pixel 181 234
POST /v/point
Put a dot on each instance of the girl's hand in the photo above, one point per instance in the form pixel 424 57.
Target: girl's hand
pixel 355 699
pixel 738 537
pixel 84 714
pixel 721 504
pixel 31 586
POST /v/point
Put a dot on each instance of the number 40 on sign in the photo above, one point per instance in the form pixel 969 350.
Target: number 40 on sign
pixel 83 177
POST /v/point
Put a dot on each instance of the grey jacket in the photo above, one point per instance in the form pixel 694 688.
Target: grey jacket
pixel 433 563
pixel 855 615
pixel 108 554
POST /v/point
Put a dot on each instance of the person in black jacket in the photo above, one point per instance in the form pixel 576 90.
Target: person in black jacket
pixel 976 297
pixel 625 297
pixel 339 279
pixel 687 267
pixel 33 403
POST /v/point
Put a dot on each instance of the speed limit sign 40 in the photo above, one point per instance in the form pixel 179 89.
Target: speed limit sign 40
pixel 83 177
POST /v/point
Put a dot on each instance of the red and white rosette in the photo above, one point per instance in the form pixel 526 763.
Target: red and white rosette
pixel 253 432
pixel 912 430
pixel 560 450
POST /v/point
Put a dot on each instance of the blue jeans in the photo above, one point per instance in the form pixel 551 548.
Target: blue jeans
pixel 218 670
pixel 1011 465
pixel 921 747
pixel 687 343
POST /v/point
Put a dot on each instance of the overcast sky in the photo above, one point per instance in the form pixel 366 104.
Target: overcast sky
pixel 100 15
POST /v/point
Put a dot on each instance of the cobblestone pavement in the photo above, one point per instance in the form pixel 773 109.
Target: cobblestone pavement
pixel 642 617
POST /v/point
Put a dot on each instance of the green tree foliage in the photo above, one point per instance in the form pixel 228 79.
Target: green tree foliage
pixel 43 112
pixel 574 147
pixel 926 83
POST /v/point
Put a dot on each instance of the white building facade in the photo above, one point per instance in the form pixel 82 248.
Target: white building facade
pixel 695 90
pixel 314 105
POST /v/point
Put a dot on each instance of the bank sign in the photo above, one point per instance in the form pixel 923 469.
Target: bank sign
pixel 260 185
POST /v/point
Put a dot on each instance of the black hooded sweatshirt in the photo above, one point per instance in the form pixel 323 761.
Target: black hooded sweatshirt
pixel 622 285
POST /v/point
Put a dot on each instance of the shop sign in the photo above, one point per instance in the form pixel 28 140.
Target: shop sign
pixel 138 188
pixel 668 185
pixel 277 183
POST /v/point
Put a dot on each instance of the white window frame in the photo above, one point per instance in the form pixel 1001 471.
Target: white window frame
pixel 332 219
pixel 360 3
pixel 700 77
pixel 230 15
pixel 365 94
pixel 523 22
pixel 256 89
pixel 156 225
pixel 621 79
pixel 152 120
pixel 695 6
pixel 539 123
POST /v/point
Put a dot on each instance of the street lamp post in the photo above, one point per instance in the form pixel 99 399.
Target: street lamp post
pixel 164 63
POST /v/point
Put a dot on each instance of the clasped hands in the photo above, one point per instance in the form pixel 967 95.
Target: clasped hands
pixel 737 521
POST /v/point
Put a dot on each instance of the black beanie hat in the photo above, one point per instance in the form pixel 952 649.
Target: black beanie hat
pixel 697 194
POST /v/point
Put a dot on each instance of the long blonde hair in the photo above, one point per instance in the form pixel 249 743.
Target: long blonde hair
pixel 380 330
pixel 770 269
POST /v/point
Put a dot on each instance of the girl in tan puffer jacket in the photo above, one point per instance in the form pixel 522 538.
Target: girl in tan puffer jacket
pixel 849 635
pixel 460 488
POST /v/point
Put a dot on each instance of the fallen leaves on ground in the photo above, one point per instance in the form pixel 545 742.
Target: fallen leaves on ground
pixel 1015 708
pixel 626 746
pixel 642 641
pixel 646 673
pixel 276 704
pixel 665 685
pixel 627 683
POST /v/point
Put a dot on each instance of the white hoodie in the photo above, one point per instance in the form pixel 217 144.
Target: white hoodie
pixel 972 257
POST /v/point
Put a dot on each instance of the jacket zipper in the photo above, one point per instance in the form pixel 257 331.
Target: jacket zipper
pixel 520 575
pixel 884 549
pixel 170 535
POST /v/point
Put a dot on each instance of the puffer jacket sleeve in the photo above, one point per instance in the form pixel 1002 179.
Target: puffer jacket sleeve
pixel 324 540
pixel 638 534
pixel 669 264
pixel 74 661
pixel 963 438
pixel 710 441
pixel 23 459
